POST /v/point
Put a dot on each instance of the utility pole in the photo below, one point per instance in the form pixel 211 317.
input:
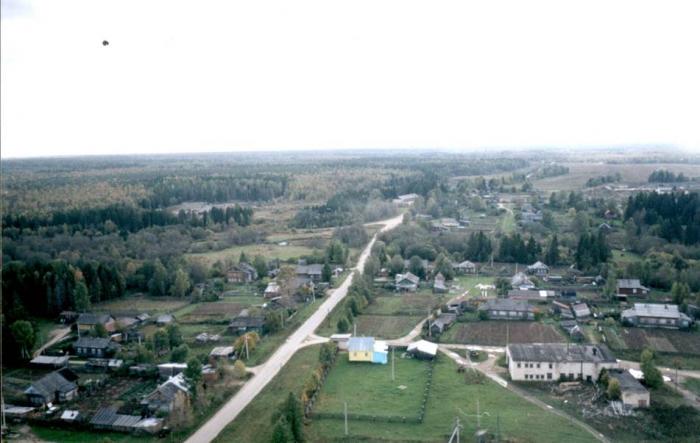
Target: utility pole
pixel 354 329
pixel 393 375
pixel 345 408
pixel 428 322
pixel 498 428
pixel 247 356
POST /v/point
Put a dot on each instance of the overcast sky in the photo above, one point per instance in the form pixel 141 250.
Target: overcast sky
pixel 203 76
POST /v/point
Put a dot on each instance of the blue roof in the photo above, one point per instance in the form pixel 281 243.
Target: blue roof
pixel 360 344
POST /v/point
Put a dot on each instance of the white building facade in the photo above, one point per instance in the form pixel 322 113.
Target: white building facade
pixel 558 361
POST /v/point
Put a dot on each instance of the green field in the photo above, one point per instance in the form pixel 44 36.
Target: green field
pixel 450 397
pixel 693 385
pixel 351 381
pixel 254 423
pixel 469 282
pixel 267 250
pixel 405 304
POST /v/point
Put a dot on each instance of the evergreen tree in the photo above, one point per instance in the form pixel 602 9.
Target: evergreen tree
pixel 293 415
pixel 193 374
pixel 81 297
pixel 326 273
pixel 158 282
pixel 552 255
pixel 174 335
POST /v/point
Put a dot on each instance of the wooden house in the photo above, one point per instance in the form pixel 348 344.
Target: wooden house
pixel 630 286
pixel 58 386
pixel 406 282
pixel 507 309
pixel 241 273
pixel 87 321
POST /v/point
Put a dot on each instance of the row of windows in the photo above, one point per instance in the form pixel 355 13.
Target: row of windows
pixel 532 365
pixel 538 376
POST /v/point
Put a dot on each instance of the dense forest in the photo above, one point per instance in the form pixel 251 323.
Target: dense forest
pixel 674 217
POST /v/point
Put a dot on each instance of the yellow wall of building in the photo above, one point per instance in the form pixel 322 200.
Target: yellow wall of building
pixel 360 356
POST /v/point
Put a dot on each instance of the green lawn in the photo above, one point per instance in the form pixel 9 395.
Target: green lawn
pixel 152 305
pixel 451 397
pixel 351 382
pixel 408 304
pixel 507 223
pixel 254 424
pixel 469 282
pixel 693 385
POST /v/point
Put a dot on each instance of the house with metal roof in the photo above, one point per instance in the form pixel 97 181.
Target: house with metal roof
pixel 94 347
pixel 507 309
pixel 655 315
pixel 465 267
pixel 581 311
pixel 632 393
pixel 558 361
pixel 50 361
pixel 367 349
pixel 538 268
pixel 108 419
pixel 406 282
pixel 87 321
pixel 440 324
pixel 58 386
pixel 173 394
pixel 630 286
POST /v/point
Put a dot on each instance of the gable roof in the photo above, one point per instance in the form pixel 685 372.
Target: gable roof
pixel 51 383
pixel 424 347
pixel 538 265
pixel 560 352
pixel 360 344
pixel 653 310
pixel 464 264
pixel 407 276
pixel 630 283
pixel 506 304
pixel 88 318
pixel 315 269
pixel 627 382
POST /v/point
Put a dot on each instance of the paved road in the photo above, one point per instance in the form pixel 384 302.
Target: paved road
pixel 267 371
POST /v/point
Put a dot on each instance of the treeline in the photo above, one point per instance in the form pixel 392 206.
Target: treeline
pixel 603 179
pixel 553 170
pixel 665 176
pixel 343 208
pixel 514 248
pixel 674 217
pixel 168 191
pixel 126 218
pixel 592 250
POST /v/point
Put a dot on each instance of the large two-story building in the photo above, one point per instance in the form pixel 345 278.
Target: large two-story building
pixel 558 361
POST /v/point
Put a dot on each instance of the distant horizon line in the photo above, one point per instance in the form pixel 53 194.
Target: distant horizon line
pixel 505 149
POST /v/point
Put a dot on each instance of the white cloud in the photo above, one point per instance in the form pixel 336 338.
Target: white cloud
pixel 207 76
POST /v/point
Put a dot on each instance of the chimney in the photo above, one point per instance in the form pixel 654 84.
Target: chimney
pixel 595 350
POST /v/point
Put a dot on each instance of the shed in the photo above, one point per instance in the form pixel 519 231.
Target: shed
pixel 633 394
pixel 49 361
pixel 423 349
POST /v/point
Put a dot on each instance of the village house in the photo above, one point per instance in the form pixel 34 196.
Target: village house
pixel 558 361
pixel 272 290
pixel 440 324
pixel 406 282
pixel 164 319
pixel 172 395
pixel 561 309
pixel 68 317
pixel 465 267
pixel 507 309
pixel 310 272
pixel 221 353
pixel 367 349
pixel 94 347
pixel 527 217
pixel 632 393
pixel 241 273
pixel 539 269
pixel 245 322
pixel 88 321
pixel 630 286
pixel 581 311
pixel 655 315
pixel 439 284
pixel 58 386
pixel 521 281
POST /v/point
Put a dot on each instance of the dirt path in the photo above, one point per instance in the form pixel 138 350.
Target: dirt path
pixel 56 336
pixel 490 370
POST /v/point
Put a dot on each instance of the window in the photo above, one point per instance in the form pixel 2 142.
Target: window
pixel 538 365
pixel 518 364
pixel 571 375
pixel 549 375
pixel 550 366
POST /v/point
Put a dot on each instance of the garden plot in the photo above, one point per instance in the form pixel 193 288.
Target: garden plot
pixel 498 333
pixel 409 304
pixel 661 340
pixel 386 327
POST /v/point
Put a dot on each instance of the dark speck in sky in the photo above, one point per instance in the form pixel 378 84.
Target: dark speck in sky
pixel 105 43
